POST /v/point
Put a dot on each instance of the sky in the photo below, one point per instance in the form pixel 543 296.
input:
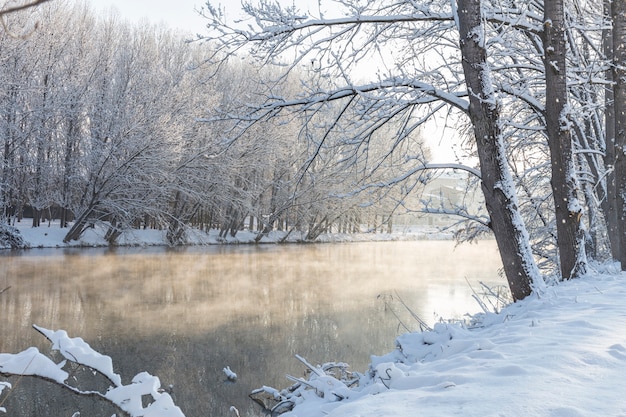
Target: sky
pixel 179 14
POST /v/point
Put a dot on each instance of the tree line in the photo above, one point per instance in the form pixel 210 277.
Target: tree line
pixel 535 88
pixel 112 123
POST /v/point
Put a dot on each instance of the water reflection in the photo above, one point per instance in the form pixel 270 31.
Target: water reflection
pixel 184 315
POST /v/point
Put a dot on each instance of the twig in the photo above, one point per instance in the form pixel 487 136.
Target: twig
pixel 423 325
pixel 313 369
pixel 475 296
pixel 22 7
pixel 400 322
pixel 70 356
pixel 1 291
pixel 19 378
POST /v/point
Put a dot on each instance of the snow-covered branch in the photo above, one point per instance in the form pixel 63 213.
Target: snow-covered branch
pixel 270 32
pixel 127 398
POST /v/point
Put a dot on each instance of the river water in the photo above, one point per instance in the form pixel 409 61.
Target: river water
pixel 184 315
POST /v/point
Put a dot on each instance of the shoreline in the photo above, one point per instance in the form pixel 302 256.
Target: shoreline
pixel 50 236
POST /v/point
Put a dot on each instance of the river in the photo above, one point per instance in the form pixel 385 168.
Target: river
pixel 184 315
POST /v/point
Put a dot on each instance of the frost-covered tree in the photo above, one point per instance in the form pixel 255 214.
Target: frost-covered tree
pixel 536 69
pixel 497 184
pixel 421 71
pixel 568 210
pixel 609 129
pixel 100 125
pixel 126 148
pixel 618 65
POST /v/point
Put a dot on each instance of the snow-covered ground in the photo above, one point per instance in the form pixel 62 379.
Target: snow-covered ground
pixel 51 236
pixel 558 354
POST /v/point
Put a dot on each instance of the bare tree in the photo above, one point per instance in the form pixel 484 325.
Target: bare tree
pixel 497 184
pixel 415 89
pixel 618 14
pixel 568 210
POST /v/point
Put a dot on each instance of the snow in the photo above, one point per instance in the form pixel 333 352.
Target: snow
pixel 3 385
pixel 77 350
pixel 561 355
pixel 230 375
pixel 51 236
pixel 32 362
pixel 129 397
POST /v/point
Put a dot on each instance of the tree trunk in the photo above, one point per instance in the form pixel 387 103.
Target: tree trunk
pixel 612 224
pixel 274 213
pixel 568 210
pixel 79 225
pixel 497 184
pixel 618 12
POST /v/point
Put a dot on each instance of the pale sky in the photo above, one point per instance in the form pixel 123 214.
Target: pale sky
pixel 178 14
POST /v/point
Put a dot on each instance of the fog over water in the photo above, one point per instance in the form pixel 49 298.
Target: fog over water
pixel 184 315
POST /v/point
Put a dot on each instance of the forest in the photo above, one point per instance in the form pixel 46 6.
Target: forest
pixel 305 120
pixel 112 123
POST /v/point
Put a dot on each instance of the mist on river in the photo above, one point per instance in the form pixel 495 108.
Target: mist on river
pixel 184 315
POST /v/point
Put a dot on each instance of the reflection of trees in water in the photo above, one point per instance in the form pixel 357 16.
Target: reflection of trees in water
pixel 184 318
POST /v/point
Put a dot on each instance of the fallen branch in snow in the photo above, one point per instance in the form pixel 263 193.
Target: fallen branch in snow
pixel 331 381
pixel 127 398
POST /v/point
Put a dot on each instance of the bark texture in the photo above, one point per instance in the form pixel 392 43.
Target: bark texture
pixel 612 223
pixel 568 210
pixel 497 184
pixel 618 12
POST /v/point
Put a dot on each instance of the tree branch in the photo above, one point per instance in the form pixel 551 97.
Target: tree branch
pixel 22 7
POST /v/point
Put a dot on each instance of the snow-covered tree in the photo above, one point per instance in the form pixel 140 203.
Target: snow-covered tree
pixel 618 65
pixel 568 210
pixel 420 71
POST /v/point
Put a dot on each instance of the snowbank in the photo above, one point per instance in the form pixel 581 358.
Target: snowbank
pixel 50 235
pixel 559 354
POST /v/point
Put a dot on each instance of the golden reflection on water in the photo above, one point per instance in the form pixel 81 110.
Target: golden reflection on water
pixel 184 315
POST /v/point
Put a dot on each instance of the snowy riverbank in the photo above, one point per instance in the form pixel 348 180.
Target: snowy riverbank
pixel 50 235
pixel 560 354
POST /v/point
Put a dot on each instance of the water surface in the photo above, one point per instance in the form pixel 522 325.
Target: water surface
pixel 186 314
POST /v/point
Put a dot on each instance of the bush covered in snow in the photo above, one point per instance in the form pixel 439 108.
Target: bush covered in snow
pixel 10 237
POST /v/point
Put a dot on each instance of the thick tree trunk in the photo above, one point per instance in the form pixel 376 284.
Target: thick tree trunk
pixel 610 214
pixel 79 226
pixel 618 12
pixel 497 184
pixel 568 210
